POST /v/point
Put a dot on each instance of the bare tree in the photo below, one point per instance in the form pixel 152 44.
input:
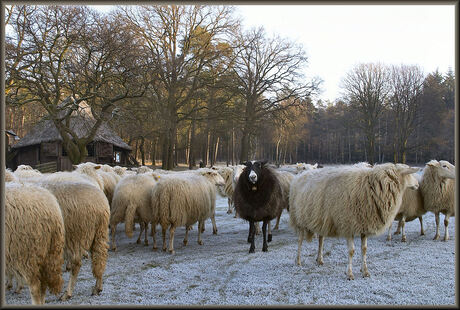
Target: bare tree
pixel 180 43
pixel 269 71
pixel 366 89
pixel 61 52
pixel 407 86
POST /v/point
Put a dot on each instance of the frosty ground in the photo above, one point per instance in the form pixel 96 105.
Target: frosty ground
pixel 222 272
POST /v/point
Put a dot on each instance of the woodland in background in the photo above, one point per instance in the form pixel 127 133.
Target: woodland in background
pixel 182 84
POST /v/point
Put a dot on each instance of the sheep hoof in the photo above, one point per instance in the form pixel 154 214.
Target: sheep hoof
pixel 436 237
pixel 172 252
pixel 264 248
pixel 9 286
pixel 403 238
pixel 422 233
pixel 146 242
pixel 251 249
pixel 250 239
pixel 319 262
pixel 445 239
pixel 96 291
pixel 164 249
pixel 114 248
pixel 229 211
pixel 366 274
pixel 350 277
pixel 269 238
pixel 397 232
pixel 185 242
pixel 200 242
pixel 214 232
pixel 138 241
pixel 65 296
pixel 154 248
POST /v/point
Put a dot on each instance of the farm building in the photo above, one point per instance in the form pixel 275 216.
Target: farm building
pixel 42 145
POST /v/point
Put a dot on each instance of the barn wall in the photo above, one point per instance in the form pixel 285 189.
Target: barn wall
pixel 28 155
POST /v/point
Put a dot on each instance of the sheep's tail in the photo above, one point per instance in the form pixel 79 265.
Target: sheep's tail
pixel 309 235
pixel 129 219
pixel 52 266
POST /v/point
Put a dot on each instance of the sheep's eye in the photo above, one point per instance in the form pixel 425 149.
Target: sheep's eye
pixel 444 166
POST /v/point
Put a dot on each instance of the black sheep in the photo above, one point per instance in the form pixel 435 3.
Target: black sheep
pixel 258 197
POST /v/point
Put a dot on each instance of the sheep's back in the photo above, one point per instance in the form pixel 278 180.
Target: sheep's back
pixel 346 202
pixel 438 195
pixel 34 234
pixel 183 199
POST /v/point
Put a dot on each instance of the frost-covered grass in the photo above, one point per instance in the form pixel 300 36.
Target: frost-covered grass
pixel 222 272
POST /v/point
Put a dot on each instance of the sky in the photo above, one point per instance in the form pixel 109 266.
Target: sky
pixel 338 37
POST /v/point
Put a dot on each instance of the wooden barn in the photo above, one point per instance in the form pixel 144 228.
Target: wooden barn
pixel 42 146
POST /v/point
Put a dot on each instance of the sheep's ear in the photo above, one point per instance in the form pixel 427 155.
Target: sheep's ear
pixel 97 167
pixel 433 163
pixel 264 162
pixel 74 166
pixel 315 165
pixel 409 170
pixel 247 163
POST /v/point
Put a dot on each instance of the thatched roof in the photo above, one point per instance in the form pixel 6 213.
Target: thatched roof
pixel 81 122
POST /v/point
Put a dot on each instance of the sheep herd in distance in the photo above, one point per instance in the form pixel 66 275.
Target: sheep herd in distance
pixel 53 220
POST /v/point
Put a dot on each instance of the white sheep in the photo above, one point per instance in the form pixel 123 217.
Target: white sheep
pixel 285 178
pixel 301 167
pixel 438 191
pixel 227 190
pixel 34 239
pixel 131 203
pixel 411 208
pixel 346 202
pixel 24 172
pixel 183 199
pixel 86 212
pixel 143 169
pixel 90 169
pixel 9 176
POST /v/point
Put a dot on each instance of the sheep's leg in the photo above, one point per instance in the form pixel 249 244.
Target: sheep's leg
pixel 277 225
pixel 363 255
pixel 163 232
pixel 35 292
pixel 146 241
pixel 43 292
pixel 398 230
pixel 446 224
pixel 76 264
pixel 153 231
pixel 351 251
pixel 319 259
pixel 214 226
pixel 200 229
pixel 299 246
pixel 114 230
pixel 264 234
pixel 389 232
pixel 171 239
pixel 142 224
pixel 403 224
pixel 9 280
pixel 436 217
pixel 186 235
pixel 422 231
pixel 257 230
pixel 229 210
pixel 236 214
pixel 20 284
pixel 98 261
pixel 252 231
pixel 269 237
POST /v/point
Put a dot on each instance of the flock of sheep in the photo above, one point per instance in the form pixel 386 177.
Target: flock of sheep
pixel 54 220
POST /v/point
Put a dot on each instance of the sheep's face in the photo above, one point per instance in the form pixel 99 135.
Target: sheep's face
pixel 407 173
pixel 215 177
pixel 255 168
pixel 442 168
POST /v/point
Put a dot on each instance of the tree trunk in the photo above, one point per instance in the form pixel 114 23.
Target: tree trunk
pixel 141 150
pixel 215 152
pixel 244 154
